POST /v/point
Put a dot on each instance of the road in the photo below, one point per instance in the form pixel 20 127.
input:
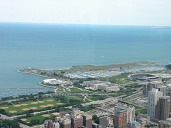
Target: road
pixel 130 99
pixel 25 126
pixel 111 99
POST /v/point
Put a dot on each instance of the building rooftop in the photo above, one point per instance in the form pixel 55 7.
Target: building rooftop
pixel 136 123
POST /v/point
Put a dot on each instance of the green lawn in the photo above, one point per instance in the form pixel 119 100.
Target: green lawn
pixel 87 108
pixel 141 111
pixel 60 89
pixel 74 98
pixel 23 107
pixel 38 118
pixel 121 79
pixel 94 98
pixel 117 94
pixel 134 85
pixel 77 90
pixel 104 67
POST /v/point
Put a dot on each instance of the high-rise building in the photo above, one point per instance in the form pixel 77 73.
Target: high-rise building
pixel 163 89
pixel 153 97
pixel 48 124
pixel 87 121
pixel 56 125
pixel 120 118
pixel 121 112
pixel 104 121
pixel 65 123
pixel 165 123
pixel 170 105
pixel 148 86
pixel 162 108
pixel 76 121
pixel 130 114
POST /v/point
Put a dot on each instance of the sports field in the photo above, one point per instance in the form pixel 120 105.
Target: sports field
pixel 39 118
pixel 21 107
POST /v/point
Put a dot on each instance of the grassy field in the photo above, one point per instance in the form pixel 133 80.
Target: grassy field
pixel 92 68
pixel 38 118
pixel 77 90
pixel 117 94
pixel 134 85
pixel 112 66
pixel 121 79
pixel 74 98
pixel 141 111
pixel 95 98
pixel 22 107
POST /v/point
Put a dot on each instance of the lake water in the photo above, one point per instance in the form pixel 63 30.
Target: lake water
pixel 52 46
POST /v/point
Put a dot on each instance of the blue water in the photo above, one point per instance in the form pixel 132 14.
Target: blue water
pixel 52 46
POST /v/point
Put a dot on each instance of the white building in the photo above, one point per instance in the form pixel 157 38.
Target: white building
pixel 153 97
pixel 56 125
pixel 112 88
pixel 131 114
pixel 55 81
pixel 101 85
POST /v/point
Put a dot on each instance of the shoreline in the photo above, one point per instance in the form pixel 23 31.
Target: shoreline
pixel 83 68
pixel 35 74
pixel 113 67
pixel 40 84
pixel 46 85
pixel 87 68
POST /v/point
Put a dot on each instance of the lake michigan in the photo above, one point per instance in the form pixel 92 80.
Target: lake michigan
pixel 51 46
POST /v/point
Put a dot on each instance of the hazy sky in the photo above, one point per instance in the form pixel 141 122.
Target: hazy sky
pixel 113 12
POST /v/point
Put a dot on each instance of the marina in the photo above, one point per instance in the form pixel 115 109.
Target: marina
pixel 51 50
pixel 108 73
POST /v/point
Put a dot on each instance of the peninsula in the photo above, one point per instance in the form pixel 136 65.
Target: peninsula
pixel 92 89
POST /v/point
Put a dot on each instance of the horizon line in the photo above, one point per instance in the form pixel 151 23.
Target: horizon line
pixel 85 24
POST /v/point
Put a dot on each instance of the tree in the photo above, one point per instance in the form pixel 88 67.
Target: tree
pixel 95 119
pixel 28 115
pixel 31 111
pixel 34 122
pixel 76 84
pixel 9 124
pixel 2 111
